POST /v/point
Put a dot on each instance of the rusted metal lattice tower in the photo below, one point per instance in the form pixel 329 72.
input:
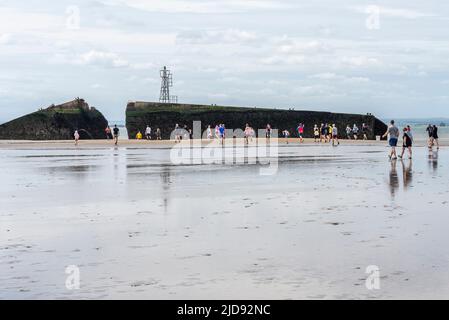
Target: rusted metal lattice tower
pixel 166 84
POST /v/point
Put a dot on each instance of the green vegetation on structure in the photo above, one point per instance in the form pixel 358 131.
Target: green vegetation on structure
pixel 166 116
pixel 57 123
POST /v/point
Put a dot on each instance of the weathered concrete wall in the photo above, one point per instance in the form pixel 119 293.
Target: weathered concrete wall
pixel 165 116
pixel 57 123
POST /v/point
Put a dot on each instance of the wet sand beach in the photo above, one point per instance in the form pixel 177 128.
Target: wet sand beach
pixel 138 226
pixel 20 144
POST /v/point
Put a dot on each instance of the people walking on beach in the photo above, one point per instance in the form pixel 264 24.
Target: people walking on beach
pixel 158 134
pixel 222 133
pixel 217 132
pixel 177 133
pixel 286 134
pixel 209 132
pixel 248 133
pixel 148 132
pixel 316 133
pixel 335 135
pixel 116 131
pixel 301 132
pixel 355 131
pixel 429 130
pixel 108 133
pixel 186 133
pixel 393 136
pixel 323 132
pixel 410 133
pixel 268 131
pixel 76 135
pixel 435 137
pixel 139 135
pixel 349 132
pixel 407 142
pixel 329 132
pixel 365 131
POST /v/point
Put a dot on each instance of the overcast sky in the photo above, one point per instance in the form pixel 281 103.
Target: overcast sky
pixel 390 58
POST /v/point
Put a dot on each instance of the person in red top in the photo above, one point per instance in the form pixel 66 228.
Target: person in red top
pixel 301 132
pixel 108 132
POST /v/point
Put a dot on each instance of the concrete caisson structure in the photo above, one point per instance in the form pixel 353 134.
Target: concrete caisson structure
pixel 166 115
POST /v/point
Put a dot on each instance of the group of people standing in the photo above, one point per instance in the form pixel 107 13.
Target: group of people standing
pixel 112 134
pixel 218 133
pixel 149 134
pixel 329 133
pixel 394 135
pixel 325 133
pixel 354 131
pixel 432 131
pixel 182 133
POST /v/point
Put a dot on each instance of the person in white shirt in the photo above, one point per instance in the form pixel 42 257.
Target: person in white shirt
pixel 355 131
pixel 148 132
pixel 209 132
pixel 76 135
pixel 335 135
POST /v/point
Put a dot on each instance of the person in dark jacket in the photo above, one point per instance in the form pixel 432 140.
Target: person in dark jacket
pixel 407 142
pixel 435 136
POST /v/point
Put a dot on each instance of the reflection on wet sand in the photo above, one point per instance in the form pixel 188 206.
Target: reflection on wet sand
pixel 165 183
pixel 394 179
pixel 407 173
pixel 139 226
pixel 433 160
pixel 407 176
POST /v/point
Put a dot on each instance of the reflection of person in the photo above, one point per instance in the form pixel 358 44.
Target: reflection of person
pixel 433 160
pixel 394 179
pixel 407 173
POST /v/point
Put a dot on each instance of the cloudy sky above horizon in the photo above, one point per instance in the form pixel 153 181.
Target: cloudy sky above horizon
pixel 390 58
